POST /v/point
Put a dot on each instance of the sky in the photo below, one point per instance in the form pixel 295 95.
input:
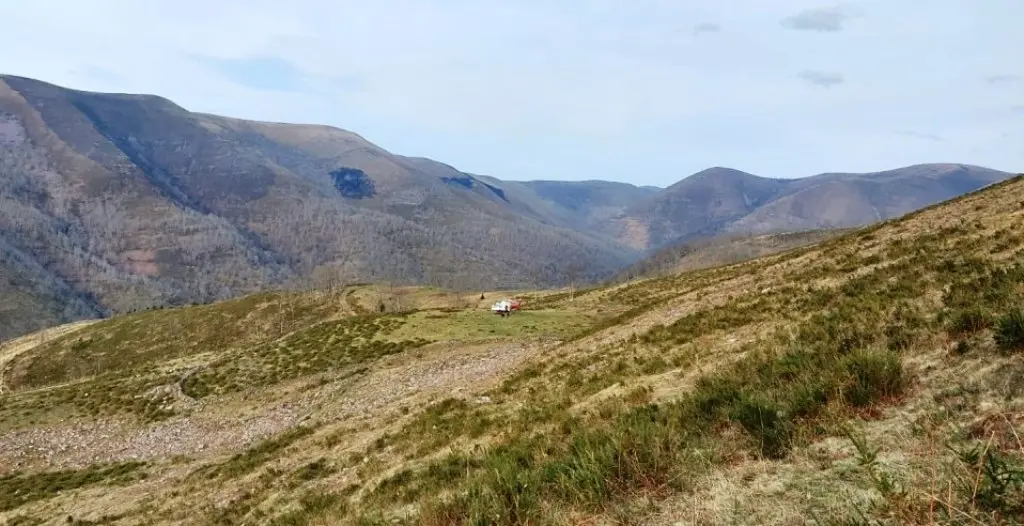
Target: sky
pixel 640 91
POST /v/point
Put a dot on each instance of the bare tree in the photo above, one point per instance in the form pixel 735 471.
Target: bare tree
pixel 573 271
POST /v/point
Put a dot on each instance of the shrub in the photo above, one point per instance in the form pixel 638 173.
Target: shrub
pixel 713 394
pixel 315 470
pixel 762 420
pixel 1009 333
pixel 992 481
pixel 971 320
pixel 807 398
pixel 873 376
pixel 904 328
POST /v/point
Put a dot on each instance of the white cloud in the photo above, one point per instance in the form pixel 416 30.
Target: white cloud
pixel 531 88
pixel 825 79
pixel 1002 79
pixel 827 19
pixel 706 27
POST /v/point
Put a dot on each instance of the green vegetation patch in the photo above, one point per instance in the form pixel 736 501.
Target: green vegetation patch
pixel 468 325
pixel 123 345
pixel 1009 331
pixel 103 395
pixel 311 506
pixel 325 347
pixel 443 422
pixel 22 488
pixel 251 459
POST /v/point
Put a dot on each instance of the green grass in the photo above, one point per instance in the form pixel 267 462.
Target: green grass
pixel 327 347
pixel 469 325
pixel 317 469
pixel 1009 331
pixel 440 424
pixel 127 343
pixel 311 506
pixel 255 457
pixel 994 481
pixel 967 321
pixel 840 354
pixel 655 448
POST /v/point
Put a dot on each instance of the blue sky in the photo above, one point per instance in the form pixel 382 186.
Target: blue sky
pixel 646 91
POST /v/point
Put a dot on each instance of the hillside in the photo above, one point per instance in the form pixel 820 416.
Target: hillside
pixel 718 251
pixel 120 202
pixel 589 204
pixel 113 203
pixel 700 204
pixel 725 201
pixel 871 378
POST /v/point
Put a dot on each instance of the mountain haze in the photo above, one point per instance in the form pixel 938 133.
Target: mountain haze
pixel 699 204
pixel 848 200
pixel 118 202
pixel 726 201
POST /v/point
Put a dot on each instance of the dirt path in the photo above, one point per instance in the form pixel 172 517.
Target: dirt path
pixel 10 350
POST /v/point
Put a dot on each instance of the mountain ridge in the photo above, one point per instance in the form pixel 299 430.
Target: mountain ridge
pixel 722 200
pixel 121 202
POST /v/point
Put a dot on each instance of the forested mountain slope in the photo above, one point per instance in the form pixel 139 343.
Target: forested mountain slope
pixel 129 201
pixel 111 203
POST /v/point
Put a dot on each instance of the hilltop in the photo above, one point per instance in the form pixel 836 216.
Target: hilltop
pixel 872 376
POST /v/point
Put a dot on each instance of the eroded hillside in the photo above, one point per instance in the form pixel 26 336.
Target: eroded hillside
pixel 874 377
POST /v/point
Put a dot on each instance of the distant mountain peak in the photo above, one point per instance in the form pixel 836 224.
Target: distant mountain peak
pixel 720 175
pixel 719 170
pixel 721 199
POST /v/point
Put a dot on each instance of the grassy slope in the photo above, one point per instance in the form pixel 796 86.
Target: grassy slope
pixel 718 251
pixel 873 377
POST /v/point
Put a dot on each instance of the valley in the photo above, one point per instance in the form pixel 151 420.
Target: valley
pixel 113 203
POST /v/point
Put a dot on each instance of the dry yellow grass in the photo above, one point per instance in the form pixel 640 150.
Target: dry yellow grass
pixel 13 348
